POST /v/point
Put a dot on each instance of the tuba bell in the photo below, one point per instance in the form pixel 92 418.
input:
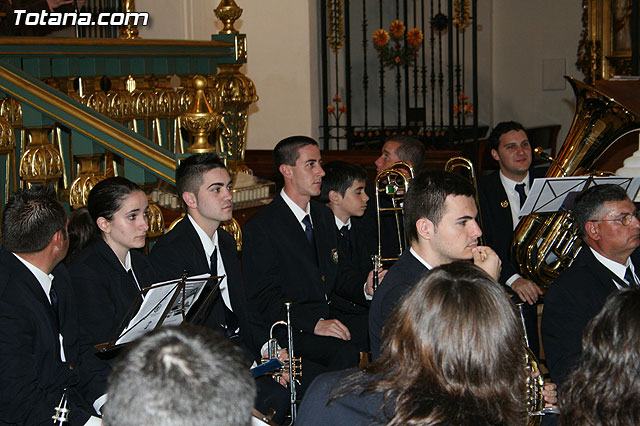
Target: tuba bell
pixel 463 167
pixel 545 244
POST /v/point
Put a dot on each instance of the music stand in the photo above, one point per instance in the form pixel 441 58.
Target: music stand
pixel 165 303
pixel 550 195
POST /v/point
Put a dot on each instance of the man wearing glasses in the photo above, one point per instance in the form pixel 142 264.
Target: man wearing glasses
pixel 608 261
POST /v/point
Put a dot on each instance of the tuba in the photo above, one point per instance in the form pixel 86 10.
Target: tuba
pixel 393 183
pixel 545 244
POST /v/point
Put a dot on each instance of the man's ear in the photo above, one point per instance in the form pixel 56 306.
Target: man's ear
pixel 494 154
pixel 58 239
pixel 190 199
pixel 593 230
pixel 425 228
pixel 285 170
pixel 104 225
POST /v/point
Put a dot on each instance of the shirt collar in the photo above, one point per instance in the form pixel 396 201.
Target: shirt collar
pixel 297 211
pixel 340 224
pixel 209 244
pixel 421 260
pixel 618 269
pixel 43 278
pixel 510 184
pixel 127 261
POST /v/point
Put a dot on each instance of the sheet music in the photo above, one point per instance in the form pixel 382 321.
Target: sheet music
pixel 156 301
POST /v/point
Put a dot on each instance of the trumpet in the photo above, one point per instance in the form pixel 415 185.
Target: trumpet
pixel 293 365
pixel 61 414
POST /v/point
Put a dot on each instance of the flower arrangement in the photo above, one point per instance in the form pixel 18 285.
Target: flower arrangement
pixel 403 50
pixel 339 109
pixel 464 108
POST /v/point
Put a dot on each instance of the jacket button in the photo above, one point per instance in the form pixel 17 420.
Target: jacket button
pixel 323 278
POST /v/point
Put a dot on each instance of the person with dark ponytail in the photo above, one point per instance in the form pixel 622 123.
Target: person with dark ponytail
pixel 604 390
pixel 110 272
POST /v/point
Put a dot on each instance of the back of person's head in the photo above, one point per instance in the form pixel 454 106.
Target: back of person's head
pixel 589 205
pixel 604 389
pixel 82 230
pixel 287 150
pixel 106 196
pixel 501 129
pixel 189 174
pixel 339 176
pixel 426 197
pixel 183 376
pixel 454 345
pixel 410 150
pixel 31 218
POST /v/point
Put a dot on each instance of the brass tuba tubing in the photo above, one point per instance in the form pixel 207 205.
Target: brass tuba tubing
pixel 462 163
pixel 545 244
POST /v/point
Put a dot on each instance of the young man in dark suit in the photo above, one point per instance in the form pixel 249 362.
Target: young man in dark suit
pixel 608 261
pixel 440 212
pixel 343 191
pixel 40 355
pixel 197 245
pixel 502 194
pixel 290 254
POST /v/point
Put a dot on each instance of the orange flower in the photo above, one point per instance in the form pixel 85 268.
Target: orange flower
pixel 397 59
pixel 337 98
pixel 463 97
pixel 457 109
pixel 397 29
pixel 331 109
pixel 343 109
pixel 414 37
pixel 380 38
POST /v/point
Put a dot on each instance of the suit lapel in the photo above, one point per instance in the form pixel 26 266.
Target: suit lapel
pixel 190 235
pixel 289 224
pixel 501 201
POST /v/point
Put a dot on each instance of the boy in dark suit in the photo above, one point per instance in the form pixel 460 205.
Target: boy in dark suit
pixel 343 191
pixel 40 355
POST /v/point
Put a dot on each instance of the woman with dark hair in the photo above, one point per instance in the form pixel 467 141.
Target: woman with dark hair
pixel 82 231
pixel 109 273
pixel 452 354
pixel 604 390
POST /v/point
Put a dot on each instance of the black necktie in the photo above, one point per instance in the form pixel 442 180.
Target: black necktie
pixel 344 231
pixel 628 276
pixel 54 304
pixel 520 191
pixel 230 319
pixel 308 230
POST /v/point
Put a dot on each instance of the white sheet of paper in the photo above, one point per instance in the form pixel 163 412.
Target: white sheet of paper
pixel 154 304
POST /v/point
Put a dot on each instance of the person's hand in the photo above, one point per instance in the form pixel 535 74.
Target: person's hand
pixel 332 328
pixel 486 259
pixel 369 287
pixel 550 394
pixel 527 290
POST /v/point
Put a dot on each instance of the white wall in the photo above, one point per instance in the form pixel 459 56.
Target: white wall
pixel 515 38
pixel 525 33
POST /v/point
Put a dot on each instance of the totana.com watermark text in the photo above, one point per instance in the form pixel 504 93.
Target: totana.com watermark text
pixel 80 18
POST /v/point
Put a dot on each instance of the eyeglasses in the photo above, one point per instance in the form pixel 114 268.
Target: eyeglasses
pixel 624 220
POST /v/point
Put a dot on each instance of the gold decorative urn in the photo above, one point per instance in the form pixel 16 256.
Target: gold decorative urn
pixel 41 162
pixel 89 175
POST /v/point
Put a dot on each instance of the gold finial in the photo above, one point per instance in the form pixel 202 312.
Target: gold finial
pixel 130 30
pixel 201 119
pixel 89 175
pixel 228 12
pixel 41 162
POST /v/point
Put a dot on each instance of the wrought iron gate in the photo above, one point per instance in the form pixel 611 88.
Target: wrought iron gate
pixel 399 67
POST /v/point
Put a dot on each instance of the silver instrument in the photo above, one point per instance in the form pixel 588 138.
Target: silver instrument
pixel 61 415
pixel 375 258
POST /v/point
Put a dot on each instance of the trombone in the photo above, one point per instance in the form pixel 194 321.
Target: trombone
pixel 394 184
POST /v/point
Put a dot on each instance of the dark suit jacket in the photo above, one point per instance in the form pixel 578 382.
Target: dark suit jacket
pixel 32 375
pixel 359 265
pixel 180 250
pixel 570 303
pixel 401 278
pixel 106 290
pixel 351 409
pixel 280 265
pixel 497 224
